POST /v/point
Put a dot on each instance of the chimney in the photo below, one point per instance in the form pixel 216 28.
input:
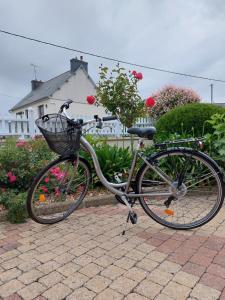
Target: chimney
pixel 75 63
pixel 35 84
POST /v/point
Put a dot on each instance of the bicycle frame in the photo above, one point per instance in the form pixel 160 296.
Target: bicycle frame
pixel 113 187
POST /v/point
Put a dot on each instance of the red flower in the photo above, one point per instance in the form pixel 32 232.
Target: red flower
pixel 90 99
pixel 139 76
pixel 150 102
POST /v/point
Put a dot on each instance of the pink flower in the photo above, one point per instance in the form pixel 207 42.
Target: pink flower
pixel 57 192
pixel 134 73
pixel 11 177
pixel 44 189
pixel 47 179
pixel 60 175
pixel 20 144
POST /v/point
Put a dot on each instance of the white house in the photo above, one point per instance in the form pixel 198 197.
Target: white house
pixel 47 97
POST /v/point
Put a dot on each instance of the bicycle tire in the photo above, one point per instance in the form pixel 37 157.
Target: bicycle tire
pixel 199 156
pixel 41 175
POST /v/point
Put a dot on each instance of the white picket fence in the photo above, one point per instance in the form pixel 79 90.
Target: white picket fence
pixel 25 127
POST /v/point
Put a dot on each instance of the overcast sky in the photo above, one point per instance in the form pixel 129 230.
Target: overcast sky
pixel 184 36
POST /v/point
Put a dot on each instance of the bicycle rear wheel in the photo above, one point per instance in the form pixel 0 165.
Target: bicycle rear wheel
pixel 58 190
pixel 198 185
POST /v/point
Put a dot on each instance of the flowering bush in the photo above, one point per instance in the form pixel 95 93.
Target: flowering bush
pixel 20 162
pixel 170 97
pixel 118 93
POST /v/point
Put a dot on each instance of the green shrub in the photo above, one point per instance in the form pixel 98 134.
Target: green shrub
pixel 15 203
pixel 189 119
pixel 111 159
pixel 17 211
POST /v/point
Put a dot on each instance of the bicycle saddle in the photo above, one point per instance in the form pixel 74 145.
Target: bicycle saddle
pixel 143 132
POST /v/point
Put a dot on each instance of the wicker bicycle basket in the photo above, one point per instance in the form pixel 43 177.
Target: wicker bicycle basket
pixel 61 134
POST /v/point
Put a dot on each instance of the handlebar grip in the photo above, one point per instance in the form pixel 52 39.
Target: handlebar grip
pixel 66 105
pixel 109 118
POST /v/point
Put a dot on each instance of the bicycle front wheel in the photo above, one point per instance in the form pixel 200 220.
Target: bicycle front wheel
pixel 197 189
pixel 58 190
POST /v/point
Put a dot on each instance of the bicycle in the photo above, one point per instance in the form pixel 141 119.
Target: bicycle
pixel 178 187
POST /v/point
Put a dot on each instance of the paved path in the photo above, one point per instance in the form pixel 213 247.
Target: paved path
pixel 85 257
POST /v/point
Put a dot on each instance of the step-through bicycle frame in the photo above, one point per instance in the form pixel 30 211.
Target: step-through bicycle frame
pixel 114 187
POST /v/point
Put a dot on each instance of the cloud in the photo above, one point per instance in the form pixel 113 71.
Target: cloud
pixel 184 36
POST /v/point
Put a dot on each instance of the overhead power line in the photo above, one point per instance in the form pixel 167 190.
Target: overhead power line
pixel 109 58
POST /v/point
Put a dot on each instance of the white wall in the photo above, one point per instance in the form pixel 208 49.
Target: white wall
pixel 77 88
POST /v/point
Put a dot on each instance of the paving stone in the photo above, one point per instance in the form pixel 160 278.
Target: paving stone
pixel 109 294
pixel 31 291
pixel 51 279
pixel 135 254
pixel 98 283
pixel 13 297
pixel 10 287
pixel 176 290
pixel 193 269
pixel 160 277
pixel 75 280
pixel 91 270
pixel 96 252
pixel 165 297
pixel 146 248
pixel 49 267
pixel 123 285
pixel 64 258
pixel 68 269
pixel 169 267
pixel 29 265
pixel 136 274
pixel 213 281
pixel 30 276
pixel 148 289
pixel 147 264
pixel 112 272
pixel 77 251
pixel 201 291
pixel 186 279
pixel 11 263
pixel 216 270
pixel 82 294
pixel 104 261
pixel 57 292
pixel 9 274
pixel 157 256
pixel 83 260
pixel 125 263
pixel 134 296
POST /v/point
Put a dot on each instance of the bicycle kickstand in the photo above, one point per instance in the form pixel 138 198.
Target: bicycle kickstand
pixel 132 216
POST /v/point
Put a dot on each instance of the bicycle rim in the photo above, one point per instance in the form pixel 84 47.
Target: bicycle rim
pixel 58 190
pixel 200 195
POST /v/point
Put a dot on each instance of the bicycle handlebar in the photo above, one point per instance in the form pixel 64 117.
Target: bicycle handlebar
pixel 65 105
pixel 109 118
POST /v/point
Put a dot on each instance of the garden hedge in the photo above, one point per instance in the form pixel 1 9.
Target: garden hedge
pixel 188 119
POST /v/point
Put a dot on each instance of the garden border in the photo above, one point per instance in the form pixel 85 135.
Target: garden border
pixel 93 201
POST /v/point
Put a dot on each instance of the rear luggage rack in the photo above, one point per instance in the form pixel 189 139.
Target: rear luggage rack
pixel 197 141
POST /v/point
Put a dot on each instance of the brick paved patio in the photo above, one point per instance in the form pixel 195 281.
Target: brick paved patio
pixel 86 257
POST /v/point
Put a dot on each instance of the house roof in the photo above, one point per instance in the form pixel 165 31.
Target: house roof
pixel 47 88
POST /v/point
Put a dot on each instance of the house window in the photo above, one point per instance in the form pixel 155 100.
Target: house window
pixel 19 114
pixel 41 111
